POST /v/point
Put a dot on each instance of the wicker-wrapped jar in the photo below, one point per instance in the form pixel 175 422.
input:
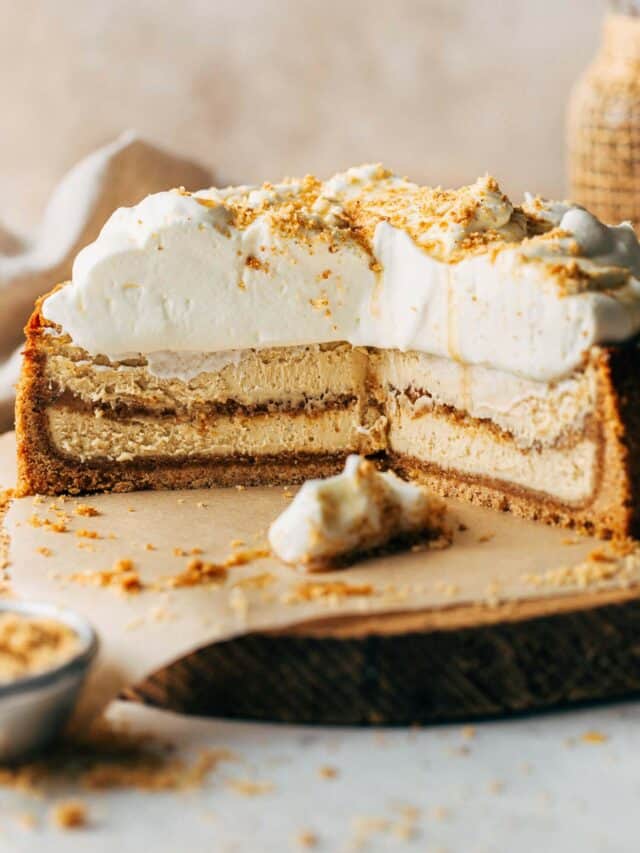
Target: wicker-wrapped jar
pixel 604 122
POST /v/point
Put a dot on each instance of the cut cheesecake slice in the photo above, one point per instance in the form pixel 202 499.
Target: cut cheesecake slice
pixel 278 415
pixel 261 335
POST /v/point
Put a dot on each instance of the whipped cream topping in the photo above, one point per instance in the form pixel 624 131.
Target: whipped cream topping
pixel 366 257
pixel 353 512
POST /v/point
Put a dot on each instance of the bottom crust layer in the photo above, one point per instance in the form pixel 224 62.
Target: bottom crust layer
pixel 187 474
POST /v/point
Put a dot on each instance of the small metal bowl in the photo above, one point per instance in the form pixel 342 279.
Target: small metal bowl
pixel 34 709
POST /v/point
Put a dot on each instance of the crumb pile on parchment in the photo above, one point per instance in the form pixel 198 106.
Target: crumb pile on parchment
pixel 33 644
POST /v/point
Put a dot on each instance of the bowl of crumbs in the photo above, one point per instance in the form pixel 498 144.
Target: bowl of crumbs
pixel 45 654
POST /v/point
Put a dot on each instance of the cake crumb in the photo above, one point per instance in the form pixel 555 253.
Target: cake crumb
pixel 469 732
pixel 327 772
pixel 315 591
pixel 83 533
pixel 197 572
pixel 71 814
pixel 86 511
pixel 306 839
pixel 594 736
pixel 44 551
pixel 52 526
pixel 122 576
pixel 486 537
pixel 248 788
pixel 149 547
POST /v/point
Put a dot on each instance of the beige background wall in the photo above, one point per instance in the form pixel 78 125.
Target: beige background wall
pixel 439 89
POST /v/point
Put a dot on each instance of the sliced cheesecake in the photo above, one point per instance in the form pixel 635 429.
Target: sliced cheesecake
pixel 260 335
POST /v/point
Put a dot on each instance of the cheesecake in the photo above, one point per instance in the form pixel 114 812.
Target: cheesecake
pixel 260 335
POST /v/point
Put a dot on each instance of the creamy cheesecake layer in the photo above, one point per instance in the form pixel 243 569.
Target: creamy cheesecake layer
pixel 291 376
pixel 568 474
pixel 90 438
pixel 532 413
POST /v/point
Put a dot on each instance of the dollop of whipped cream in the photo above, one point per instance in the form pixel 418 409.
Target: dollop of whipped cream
pixel 352 513
pixel 365 257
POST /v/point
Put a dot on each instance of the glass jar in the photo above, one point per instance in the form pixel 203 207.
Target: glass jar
pixel 604 122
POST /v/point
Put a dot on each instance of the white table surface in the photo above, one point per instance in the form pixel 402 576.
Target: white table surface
pixel 528 784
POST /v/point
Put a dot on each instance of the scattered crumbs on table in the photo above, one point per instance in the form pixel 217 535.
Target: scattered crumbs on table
pixel 149 547
pixel 486 537
pixel 83 533
pixel 71 814
pixel 249 787
pixel 327 771
pixel 44 551
pixel 59 526
pixel 110 757
pixel 594 736
pixel 307 839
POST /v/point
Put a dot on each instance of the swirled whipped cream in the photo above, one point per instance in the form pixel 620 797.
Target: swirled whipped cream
pixel 365 257
pixel 356 511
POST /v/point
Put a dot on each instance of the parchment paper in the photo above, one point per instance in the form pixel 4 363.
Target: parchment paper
pixel 492 560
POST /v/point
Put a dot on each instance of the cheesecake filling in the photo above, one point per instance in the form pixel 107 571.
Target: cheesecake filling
pixel 330 400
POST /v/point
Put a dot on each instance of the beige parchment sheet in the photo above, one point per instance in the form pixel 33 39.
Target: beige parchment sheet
pixel 496 559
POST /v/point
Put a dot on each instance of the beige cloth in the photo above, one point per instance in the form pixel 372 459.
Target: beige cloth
pixel 116 175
